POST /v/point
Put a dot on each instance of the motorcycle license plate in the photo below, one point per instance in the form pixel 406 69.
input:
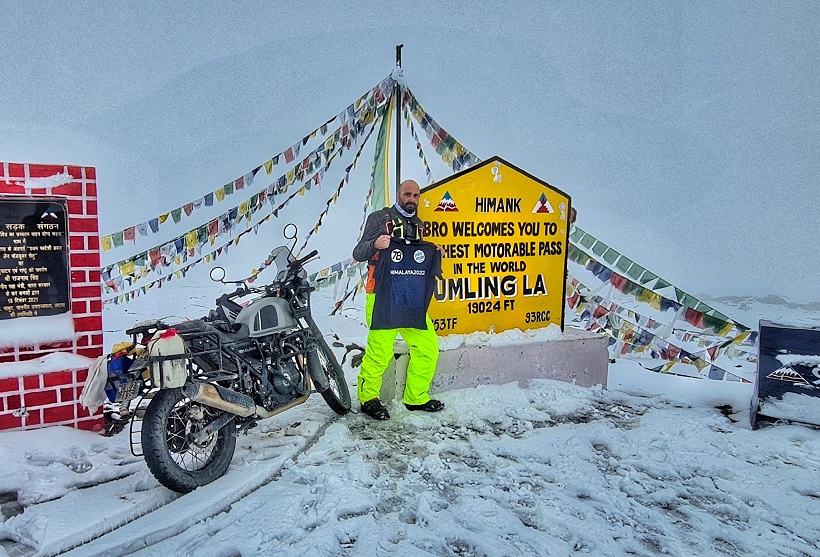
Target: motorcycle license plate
pixel 128 391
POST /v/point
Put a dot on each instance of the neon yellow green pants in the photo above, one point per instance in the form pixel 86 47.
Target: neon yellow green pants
pixel 423 357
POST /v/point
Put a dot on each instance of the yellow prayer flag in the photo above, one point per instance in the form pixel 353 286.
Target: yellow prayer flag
pixel 190 239
pixel 127 268
pixel 725 329
pixel 106 243
pixel 649 297
pixel 269 167
pixel 163 218
pixel 700 363
pixel 220 194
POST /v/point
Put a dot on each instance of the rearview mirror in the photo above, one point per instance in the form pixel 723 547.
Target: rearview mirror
pixel 290 231
pixel 217 274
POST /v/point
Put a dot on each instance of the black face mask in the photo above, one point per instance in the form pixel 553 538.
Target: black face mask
pixel 401 229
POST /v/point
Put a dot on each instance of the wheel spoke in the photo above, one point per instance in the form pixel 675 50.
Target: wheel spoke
pixel 181 429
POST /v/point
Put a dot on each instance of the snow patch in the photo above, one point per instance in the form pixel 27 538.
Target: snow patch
pixel 510 337
pixel 792 406
pixel 798 359
pixel 57 361
pixel 48 182
pixel 29 331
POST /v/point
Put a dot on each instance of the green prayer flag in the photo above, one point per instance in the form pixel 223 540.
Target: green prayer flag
pixel 647 277
pixel 623 264
pixel 379 181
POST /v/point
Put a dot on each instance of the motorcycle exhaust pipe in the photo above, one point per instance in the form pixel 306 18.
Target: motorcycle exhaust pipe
pixel 232 401
pixel 220 398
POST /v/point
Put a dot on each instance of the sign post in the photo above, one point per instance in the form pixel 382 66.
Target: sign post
pixel 50 294
pixel 504 234
pixel 33 258
pixel 788 373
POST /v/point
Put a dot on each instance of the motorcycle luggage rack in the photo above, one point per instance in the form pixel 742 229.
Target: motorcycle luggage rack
pixel 212 376
pixel 214 348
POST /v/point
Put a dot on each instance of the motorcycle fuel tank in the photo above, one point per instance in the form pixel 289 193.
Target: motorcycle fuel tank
pixel 266 316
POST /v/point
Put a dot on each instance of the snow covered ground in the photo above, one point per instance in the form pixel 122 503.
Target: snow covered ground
pixel 686 135
pixel 654 465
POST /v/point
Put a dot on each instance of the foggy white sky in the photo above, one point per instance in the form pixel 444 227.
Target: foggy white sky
pixel 686 135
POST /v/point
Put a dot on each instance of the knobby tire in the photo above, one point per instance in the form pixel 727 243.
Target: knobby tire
pixel 337 395
pixel 166 433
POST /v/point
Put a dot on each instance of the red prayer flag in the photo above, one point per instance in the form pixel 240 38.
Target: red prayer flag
pixel 694 317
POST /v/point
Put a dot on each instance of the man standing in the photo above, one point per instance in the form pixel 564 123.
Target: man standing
pixel 400 226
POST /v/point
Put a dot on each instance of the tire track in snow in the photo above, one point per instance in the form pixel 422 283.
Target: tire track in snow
pixel 176 515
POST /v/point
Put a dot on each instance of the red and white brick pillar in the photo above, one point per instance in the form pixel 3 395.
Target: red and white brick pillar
pixel 50 294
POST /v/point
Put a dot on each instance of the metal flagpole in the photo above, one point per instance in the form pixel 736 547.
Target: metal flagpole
pixel 398 95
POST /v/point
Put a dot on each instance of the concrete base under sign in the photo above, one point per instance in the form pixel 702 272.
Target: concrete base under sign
pixel 579 357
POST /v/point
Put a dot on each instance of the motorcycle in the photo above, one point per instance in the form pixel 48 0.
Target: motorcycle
pixel 203 382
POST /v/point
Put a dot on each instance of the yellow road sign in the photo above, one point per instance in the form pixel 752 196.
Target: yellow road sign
pixel 504 234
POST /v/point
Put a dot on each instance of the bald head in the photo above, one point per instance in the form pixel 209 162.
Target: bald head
pixel 409 192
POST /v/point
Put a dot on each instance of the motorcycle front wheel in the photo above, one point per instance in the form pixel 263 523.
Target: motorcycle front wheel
pixel 173 455
pixel 337 395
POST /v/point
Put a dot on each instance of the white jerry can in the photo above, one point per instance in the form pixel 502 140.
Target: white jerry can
pixel 166 353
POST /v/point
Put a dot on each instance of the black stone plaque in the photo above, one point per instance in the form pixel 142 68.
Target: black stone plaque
pixel 33 258
pixel 788 361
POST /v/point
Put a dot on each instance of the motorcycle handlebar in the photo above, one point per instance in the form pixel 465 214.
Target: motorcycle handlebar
pixel 304 259
pixel 242 290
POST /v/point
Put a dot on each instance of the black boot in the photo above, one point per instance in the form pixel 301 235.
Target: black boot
pixel 375 409
pixel 431 405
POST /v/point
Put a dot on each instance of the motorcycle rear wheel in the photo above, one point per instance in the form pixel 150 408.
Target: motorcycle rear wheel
pixel 175 459
pixel 337 395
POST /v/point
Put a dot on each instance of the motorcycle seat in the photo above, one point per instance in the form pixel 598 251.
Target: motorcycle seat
pixel 195 326
pixel 202 326
pixel 242 331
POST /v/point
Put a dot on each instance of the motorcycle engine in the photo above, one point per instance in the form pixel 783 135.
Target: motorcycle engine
pixel 286 377
pixel 287 373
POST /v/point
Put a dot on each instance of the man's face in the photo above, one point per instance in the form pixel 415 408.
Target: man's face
pixel 409 196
